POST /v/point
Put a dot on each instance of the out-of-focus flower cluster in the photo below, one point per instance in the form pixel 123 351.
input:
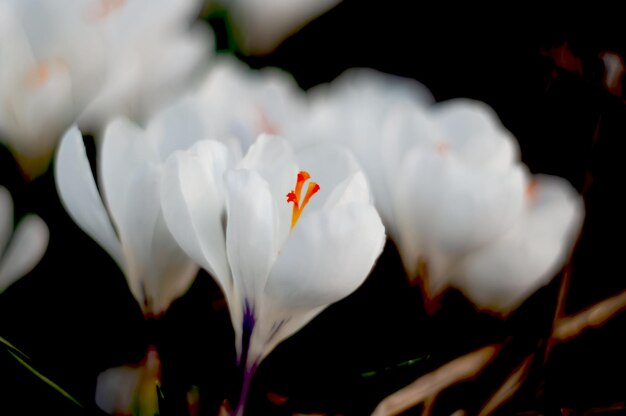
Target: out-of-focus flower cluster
pixel 89 60
pixel 279 194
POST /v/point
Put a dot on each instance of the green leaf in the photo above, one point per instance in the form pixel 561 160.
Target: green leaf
pixel 12 347
pixel 45 379
pixel 407 363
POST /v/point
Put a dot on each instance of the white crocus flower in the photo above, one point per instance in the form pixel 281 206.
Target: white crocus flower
pixel 447 179
pixel 128 223
pixel 93 59
pixel 154 52
pixel 281 246
pixel 20 251
pixel 262 24
pixel 236 104
pixel 50 67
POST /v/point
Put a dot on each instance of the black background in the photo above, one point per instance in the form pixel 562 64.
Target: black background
pixel 540 70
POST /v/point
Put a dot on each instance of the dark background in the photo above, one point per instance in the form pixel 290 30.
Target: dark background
pixel 541 72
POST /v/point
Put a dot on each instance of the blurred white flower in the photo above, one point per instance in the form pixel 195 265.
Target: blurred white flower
pixel 20 251
pixel 128 222
pixel 234 105
pixel 131 389
pixel 613 72
pixel 262 24
pixel 447 179
pixel 154 53
pixel 51 64
pixel 97 58
pixel 280 257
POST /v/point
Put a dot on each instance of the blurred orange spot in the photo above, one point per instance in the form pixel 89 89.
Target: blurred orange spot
pixel 40 74
pixel 193 402
pixel 106 7
pixel 532 189
pixel 564 58
pixel 442 148
pixel 276 398
pixel 264 125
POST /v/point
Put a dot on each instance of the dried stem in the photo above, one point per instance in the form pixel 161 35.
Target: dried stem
pixel 470 365
pixel 428 386
pixel 559 312
pixel 509 387
pixel 592 317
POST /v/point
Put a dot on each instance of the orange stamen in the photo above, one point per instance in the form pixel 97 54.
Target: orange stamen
pixel 294 196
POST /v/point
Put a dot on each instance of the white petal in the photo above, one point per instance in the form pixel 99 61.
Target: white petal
pixel 193 203
pixel 136 226
pixel 329 164
pixel 250 233
pixel 27 247
pixel 446 209
pixel 115 389
pixel 46 111
pixel 112 100
pixel 177 127
pixel 130 389
pixel 172 273
pixel 352 189
pixel 272 157
pixel 404 128
pixel 475 134
pixel 6 218
pixel 125 149
pixel 327 256
pixel 365 87
pixel 78 192
pixel 263 24
pixel 276 323
pixel 505 272
pixel 172 66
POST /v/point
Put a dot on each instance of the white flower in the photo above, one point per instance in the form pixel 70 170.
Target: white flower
pixel 131 389
pixel 236 104
pixel 451 189
pixel 279 263
pixel 263 24
pixel 50 66
pixel 353 110
pixel 20 251
pixel 97 58
pixel 153 53
pixel 129 223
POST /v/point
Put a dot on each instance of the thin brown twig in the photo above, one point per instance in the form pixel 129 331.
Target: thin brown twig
pixel 429 385
pixel 508 388
pixel 429 405
pixel 470 365
pixel 592 317
pixel 559 312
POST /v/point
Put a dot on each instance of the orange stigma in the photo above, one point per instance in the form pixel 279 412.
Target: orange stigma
pixel 294 196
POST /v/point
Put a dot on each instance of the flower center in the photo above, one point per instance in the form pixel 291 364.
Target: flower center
pixel 294 196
